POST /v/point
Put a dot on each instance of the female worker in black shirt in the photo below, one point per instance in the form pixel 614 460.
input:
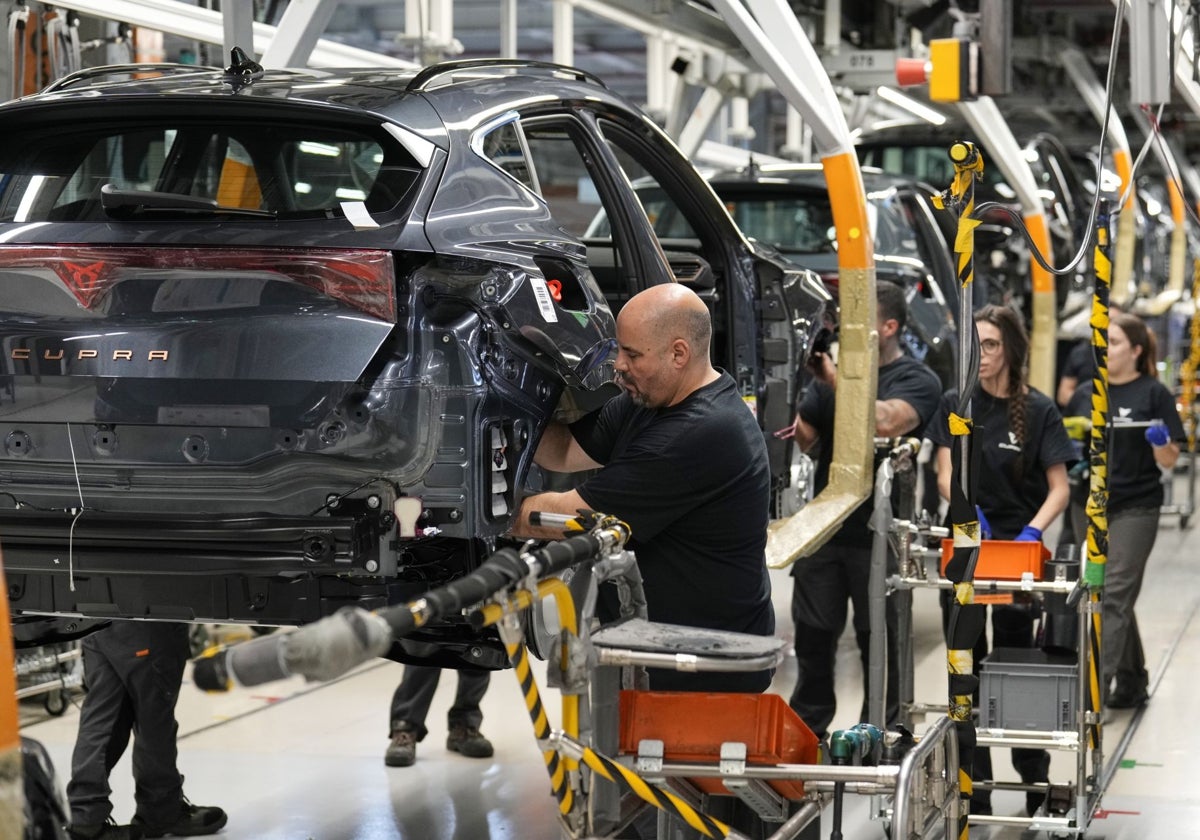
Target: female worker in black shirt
pixel 1138 455
pixel 1022 487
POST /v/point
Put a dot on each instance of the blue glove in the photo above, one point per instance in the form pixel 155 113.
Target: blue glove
pixel 985 529
pixel 1157 434
pixel 1029 534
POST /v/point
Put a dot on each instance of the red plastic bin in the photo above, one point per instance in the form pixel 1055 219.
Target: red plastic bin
pixel 693 725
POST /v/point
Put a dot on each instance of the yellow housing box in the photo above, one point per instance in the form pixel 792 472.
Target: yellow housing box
pixel 954 73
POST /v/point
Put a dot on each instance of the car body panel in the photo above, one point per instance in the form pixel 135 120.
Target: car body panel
pixel 240 321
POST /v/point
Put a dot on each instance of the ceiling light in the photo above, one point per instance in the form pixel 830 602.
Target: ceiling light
pixel 911 105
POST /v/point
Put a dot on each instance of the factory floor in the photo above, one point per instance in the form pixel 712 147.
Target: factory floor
pixel 293 761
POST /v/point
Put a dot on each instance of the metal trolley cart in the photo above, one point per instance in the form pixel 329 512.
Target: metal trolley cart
pixel 52 672
pixel 1029 698
pixel 615 752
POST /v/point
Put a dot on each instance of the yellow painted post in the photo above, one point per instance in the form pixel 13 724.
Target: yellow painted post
pixel 965 621
pixel 1188 369
pixel 851 471
pixel 1122 267
pixel 1043 333
pixel 1097 501
pixel 1178 264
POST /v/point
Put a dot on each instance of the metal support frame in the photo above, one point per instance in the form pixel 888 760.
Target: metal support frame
pixel 237 27
pixel 1172 291
pixel 692 134
pixel 798 141
pixel 788 57
pixel 1150 51
pixel 1079 70
pixel 193 22
pixel 986 120
pixel 563 36
pixel 508 29
pixel 299 30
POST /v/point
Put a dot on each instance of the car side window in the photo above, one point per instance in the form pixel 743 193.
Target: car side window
pixel 577 189
pixel 563 177
pixel 894 227
pixel 792 225
pixel 505 148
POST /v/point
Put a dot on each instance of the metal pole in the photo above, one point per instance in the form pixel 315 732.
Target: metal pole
pixel 966 618
pixel 877 664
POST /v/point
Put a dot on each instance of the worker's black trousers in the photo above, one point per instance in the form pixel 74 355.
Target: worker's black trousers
pixel 414 695
pixel 825 585
pixel 133 671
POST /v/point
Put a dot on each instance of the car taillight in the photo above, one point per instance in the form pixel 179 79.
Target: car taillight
pixel 361 278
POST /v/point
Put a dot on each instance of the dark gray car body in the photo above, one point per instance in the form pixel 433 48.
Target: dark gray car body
pixel 216 413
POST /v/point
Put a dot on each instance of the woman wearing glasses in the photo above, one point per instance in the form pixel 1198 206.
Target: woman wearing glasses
pixel 1022 488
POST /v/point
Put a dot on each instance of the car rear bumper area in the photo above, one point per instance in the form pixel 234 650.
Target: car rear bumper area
pixel 266 570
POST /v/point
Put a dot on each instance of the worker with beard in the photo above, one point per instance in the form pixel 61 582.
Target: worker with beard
pixel 683 461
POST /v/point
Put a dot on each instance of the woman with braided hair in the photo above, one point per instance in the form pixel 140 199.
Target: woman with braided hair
pixel 1022 488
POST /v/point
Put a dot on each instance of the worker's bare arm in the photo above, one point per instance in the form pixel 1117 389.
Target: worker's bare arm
pixel 568 502
pixel 559 451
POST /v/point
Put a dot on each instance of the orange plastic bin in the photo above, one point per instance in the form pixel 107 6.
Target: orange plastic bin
pixel 1003 559
pixel 693 725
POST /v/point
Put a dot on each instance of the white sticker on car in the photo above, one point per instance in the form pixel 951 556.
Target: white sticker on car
pixel 357 214
pixel 544 302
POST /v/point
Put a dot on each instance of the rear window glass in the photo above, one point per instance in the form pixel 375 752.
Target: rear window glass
pixel 284 171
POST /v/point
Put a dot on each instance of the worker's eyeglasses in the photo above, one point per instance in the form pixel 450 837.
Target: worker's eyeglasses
pixel 990 345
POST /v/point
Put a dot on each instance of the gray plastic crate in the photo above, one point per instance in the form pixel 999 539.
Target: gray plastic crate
pixel 1027 688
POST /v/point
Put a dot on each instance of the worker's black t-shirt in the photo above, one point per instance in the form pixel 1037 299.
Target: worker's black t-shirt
pixel 1080 363
pixel 1134 478
pixel 693 482
pixel 1007 502
pixel 903 379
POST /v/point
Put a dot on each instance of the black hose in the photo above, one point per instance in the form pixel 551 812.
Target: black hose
pixel 332 646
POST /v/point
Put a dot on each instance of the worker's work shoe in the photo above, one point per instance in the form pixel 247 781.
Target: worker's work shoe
pixel 467 741
pixel 402 751
pixel 193 821
pixel 1127 698
pixel 108 830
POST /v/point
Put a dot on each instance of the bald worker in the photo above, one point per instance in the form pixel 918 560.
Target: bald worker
pixel 684 462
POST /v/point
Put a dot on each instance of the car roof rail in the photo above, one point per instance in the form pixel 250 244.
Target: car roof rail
pixel 427 75
pixel 165 69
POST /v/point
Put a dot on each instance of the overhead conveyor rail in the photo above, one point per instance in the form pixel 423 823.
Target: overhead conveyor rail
pixel 206 25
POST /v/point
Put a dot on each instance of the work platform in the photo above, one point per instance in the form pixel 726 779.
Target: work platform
pixel 292 761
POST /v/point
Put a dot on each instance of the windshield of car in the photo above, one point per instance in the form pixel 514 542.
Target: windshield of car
pixel 287 171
